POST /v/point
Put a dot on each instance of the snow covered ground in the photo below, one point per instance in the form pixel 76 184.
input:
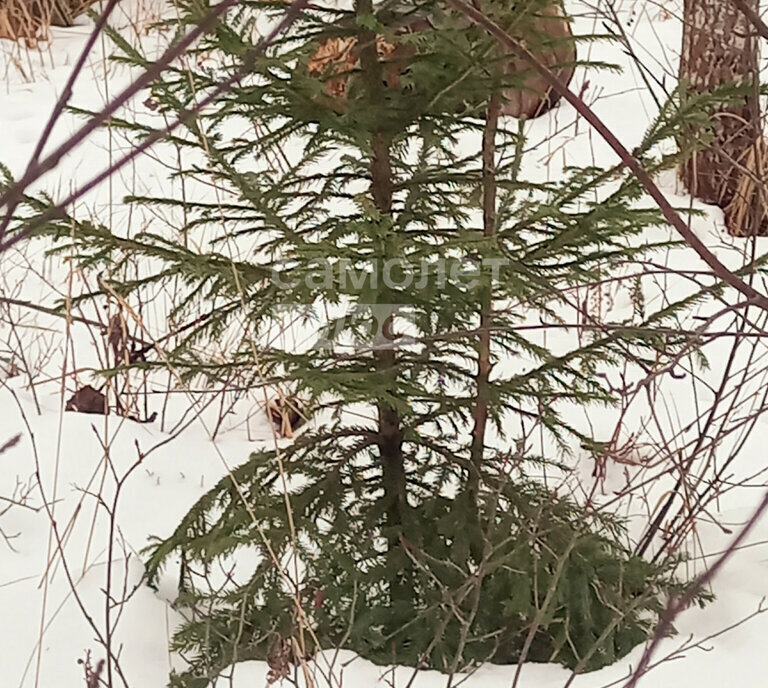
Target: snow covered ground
pixel 54 577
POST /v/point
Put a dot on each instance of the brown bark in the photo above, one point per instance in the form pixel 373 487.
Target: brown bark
pixel 720 47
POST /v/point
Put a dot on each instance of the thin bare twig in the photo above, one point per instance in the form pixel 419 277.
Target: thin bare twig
pixel 677 605
pixel 248 61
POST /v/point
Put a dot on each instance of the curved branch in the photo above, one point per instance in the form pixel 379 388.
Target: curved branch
pixel 754 18
pixel 632 163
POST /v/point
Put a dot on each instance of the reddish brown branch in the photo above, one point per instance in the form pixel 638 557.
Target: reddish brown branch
pixel 632 163
pixel 754 17
pixel 9 444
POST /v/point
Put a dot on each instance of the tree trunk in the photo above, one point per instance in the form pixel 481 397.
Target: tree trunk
pixel 390 433
pixel 720 47
pixel 484 365
pixel 551 40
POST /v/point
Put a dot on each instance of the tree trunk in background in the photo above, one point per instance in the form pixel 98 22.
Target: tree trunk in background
pixel 547 34
pixel 720 47
pixel 551 40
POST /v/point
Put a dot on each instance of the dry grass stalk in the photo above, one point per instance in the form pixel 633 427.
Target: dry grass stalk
pixel 287 416
pixel 746 213
pixel 30 20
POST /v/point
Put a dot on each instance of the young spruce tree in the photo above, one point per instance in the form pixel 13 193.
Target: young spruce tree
pixel 380 197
